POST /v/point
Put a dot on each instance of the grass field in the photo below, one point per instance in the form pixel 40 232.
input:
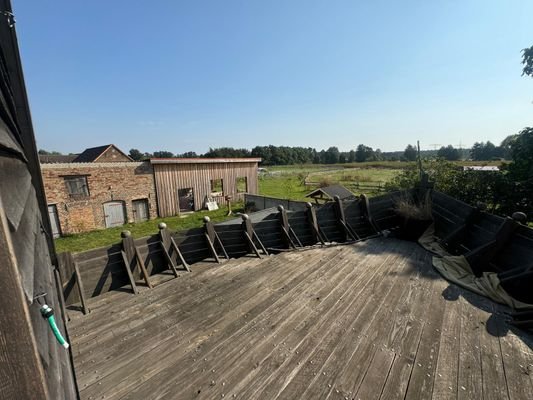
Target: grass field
pixel 106 237
pixel 288 182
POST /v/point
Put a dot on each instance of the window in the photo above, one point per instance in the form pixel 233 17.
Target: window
pixel 77 186
pixel 241 183
pixel 217 187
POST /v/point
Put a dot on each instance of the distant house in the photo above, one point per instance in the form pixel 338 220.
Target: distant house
pixel 184 184
pixel 100 154
pixel 328 193
pixel 100 188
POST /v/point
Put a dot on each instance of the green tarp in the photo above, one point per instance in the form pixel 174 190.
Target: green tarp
pixel 457 270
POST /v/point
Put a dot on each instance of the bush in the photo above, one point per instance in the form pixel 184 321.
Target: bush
pixel 325 181
pixel 497 190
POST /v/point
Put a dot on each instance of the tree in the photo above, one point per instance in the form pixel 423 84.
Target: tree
pixel 136 154
pixel 363 153
pixel 43 152
pixel 188 154
pixel 484 151
pixel 332 155
pixel 527 60
pixel 506 146
pixel 227 152
pixel 410 153
pixel 521 167
pixel 449 153
pixel 163 154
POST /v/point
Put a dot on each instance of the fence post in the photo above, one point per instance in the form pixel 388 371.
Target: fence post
pixel 313 222
pixel 248 232
pixel 285 227
pixel 210 237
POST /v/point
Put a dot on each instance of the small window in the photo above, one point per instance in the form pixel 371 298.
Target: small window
pixel 217 187
pixel 241 183
pixel 77 186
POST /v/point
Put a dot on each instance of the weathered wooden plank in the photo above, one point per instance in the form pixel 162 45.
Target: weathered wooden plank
pixel 446 377
pixel 376 375
pixel 157 367
pixel 252 327
pixel 470 385
pixel 128 270
pixel 425 363
pixel 517 361
pixel 493 374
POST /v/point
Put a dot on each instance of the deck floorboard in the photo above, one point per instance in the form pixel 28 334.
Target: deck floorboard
pixel 370 320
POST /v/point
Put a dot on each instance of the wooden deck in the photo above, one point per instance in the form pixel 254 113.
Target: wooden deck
pixel 366 321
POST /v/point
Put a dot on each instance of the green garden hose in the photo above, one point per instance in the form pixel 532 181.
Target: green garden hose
pixel 48 314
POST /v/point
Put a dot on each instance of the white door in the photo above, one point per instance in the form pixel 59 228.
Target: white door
pixel 114 214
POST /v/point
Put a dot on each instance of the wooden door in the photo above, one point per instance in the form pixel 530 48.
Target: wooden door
pixel 114 214
pixel 54 220
pixel 186 199
pixel 140 210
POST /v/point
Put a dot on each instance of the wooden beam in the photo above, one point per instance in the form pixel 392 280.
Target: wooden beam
pixel 142 266
pixel 134 257
pixel 81 289
pixel 284 223
pixel 128 271
pixel 265 252
pixel 248 233
pixel 251 244
pixel 366 213
pixel 209 235
pixel 168 244
pixel 60 297
pixel 313 222
pixel 69 272
pixel 219 241
pixel 295 236
pixel 341 221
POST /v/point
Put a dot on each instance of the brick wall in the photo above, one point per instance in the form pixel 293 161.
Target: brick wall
pixel 116 181
pixel 112 154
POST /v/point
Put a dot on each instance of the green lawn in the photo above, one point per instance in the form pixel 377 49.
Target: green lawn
pixel 287 182
pixel 106 237
pixel 284 186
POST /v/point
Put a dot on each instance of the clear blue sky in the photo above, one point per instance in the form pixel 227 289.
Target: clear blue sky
pixel 189 75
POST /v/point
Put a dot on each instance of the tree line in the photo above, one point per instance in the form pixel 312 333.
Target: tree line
pixel 287 155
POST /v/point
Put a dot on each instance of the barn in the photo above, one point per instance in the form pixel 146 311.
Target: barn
pixel 185 184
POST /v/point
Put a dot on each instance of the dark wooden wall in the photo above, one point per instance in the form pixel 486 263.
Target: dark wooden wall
pixel 34 365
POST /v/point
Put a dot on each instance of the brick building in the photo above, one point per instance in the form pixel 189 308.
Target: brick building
pixel 102 187
pixel 95 195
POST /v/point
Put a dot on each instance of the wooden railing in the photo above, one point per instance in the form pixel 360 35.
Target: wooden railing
pixel 489 242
